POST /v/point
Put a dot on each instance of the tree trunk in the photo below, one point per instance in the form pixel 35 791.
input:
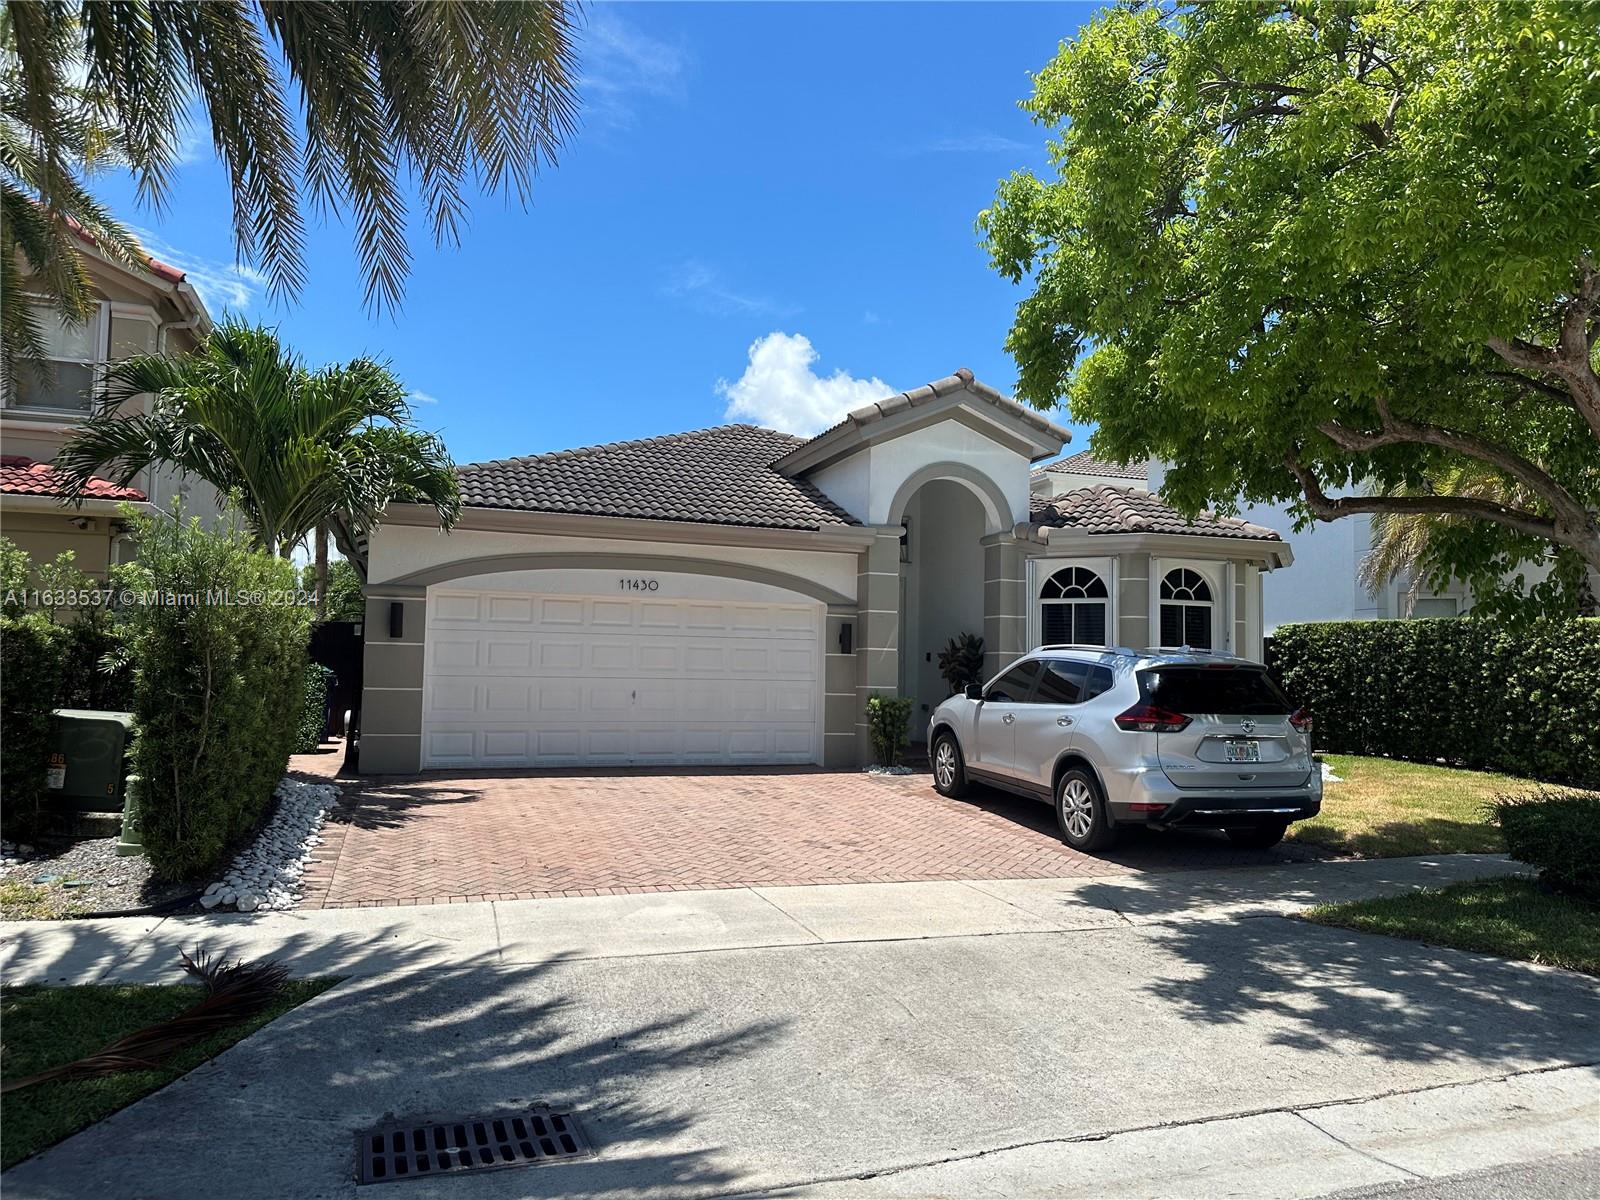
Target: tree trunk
pixel 321 553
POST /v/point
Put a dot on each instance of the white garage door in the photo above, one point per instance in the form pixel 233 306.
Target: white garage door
pixel 527 679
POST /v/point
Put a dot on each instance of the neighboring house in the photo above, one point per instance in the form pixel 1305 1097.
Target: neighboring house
pixel 1326 585
pixel 735 595
pixel 141 311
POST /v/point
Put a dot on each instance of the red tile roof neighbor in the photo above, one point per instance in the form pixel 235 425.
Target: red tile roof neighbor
pixel 21 476
pixel 721 476
pixel 154 266
pixel 1107 509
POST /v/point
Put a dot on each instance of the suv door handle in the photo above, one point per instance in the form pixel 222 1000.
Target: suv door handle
pixel 1008 718
pixel 1063 721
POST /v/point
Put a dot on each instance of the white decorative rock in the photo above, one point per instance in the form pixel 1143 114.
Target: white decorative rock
pixel 266 876
pixel 211 900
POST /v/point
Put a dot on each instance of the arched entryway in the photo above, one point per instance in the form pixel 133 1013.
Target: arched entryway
pixel 941 585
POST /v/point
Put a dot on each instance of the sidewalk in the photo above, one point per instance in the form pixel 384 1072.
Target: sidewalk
pixel 377 941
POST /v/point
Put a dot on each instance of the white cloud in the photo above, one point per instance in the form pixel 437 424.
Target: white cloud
pixel 978 143
pixel 420 397
pixel 621 64
pixel 780 389
pixel 703 287
pixel 223 286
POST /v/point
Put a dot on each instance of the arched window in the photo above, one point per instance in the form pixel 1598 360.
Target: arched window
pixel 1185 609
pixel 1072 608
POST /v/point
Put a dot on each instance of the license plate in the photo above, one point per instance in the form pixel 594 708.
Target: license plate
pixel 1236 752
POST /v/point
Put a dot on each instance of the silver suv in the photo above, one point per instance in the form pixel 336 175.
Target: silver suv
pixel 1134 737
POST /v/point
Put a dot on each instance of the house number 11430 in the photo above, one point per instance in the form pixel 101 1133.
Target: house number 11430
pixel 638 585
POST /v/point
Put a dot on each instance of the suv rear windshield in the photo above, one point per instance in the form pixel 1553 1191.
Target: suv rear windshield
pixel 1231 690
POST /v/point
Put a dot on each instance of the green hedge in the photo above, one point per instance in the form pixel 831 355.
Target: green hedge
pixel 1558 832
pixel 1525 701
pixel 219 669
pixel 313 709
pixel 33 663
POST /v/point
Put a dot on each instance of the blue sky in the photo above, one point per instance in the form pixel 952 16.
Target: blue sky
pixel 767 216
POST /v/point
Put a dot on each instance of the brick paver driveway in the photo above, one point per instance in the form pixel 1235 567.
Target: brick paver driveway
pixel 531 834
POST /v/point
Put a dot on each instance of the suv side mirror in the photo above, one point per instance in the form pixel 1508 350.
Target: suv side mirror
pixel 974 691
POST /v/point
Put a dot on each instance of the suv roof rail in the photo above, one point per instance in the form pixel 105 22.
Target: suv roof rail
pixel 1086 646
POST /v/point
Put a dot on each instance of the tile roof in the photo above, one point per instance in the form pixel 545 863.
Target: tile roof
pixel 1104 508
pixel 153 265
pixel 1085 463
pixel 722 476
pixel 22 476
pixel 961 380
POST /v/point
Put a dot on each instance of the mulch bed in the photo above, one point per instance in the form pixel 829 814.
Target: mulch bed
pixel 67 879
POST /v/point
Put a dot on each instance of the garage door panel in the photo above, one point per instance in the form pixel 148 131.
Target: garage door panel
pixel 611 656
pixel 539 680
pixel 611 614
pixel 561 656
pixel 505 654
pixel 556 611
pixel 455 606
pixel 510 610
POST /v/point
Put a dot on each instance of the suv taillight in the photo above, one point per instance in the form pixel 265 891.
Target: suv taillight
pixel 1300 718
pixel 1147 718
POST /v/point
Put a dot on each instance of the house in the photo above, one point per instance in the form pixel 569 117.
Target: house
pixel 141 310
pixel 735 594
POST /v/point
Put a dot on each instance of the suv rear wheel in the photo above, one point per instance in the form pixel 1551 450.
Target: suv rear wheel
pixel 1081 812
pixel 1259 837
pixel 949 769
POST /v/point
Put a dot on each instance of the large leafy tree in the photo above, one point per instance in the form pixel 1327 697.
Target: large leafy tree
pixel 436 91
pixel 295 449
pixel 1334 254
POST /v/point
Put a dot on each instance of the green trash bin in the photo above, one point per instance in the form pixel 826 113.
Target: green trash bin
pixel 88 753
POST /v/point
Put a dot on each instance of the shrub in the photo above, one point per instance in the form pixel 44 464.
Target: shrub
pixel 1558 832
pixel 32 668
pixel 886 726
pixel 215 673
pixel 1525 701
pixel 313 709
pixel 961 662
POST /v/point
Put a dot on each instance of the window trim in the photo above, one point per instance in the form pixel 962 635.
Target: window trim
pixel 1209 604
pixel 1212 571
pixel 100 323
pixel 1042 569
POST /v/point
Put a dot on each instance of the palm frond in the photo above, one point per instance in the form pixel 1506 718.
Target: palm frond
pixel 234 992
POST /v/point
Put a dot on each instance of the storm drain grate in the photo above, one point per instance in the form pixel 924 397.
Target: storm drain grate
pixel 414 1149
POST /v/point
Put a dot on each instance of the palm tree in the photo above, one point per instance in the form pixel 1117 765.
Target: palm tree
pixel 437 91
pixel 1403 544
pixel 295 449
pixel 44 208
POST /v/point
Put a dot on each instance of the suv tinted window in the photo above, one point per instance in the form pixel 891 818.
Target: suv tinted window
pixel 1061 682
pixel 1237 691
pixel 1098 683
pixel 1013 687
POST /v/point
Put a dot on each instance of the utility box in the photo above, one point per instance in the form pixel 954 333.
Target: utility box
pixel 88 750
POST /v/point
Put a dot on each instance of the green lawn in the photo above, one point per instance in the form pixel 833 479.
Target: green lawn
pixel 1388 809
pixel 45 1027
pixel 1513 918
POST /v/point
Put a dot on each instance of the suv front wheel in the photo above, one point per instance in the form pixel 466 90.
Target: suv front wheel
pixel 949 769
pixel 1081 812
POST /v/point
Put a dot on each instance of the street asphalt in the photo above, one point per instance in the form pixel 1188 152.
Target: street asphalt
pixel 1150 1036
